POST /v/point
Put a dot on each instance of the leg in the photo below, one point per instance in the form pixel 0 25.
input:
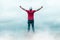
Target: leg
pixel 28 26
pixel 33 26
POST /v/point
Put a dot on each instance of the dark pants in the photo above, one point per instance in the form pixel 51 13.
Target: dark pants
pixel 32 23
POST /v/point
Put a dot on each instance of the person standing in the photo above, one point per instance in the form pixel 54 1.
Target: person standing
pixel 30 13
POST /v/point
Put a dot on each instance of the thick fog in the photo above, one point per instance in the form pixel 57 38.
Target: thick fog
pixel 13 20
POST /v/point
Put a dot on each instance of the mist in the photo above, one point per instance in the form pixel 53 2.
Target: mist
pixel 13 20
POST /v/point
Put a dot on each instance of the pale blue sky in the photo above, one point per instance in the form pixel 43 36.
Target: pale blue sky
pixel 13 20
pixel 11 14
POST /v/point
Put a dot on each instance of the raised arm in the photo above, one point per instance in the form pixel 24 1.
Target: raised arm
pixel 22 8
pixel 39 8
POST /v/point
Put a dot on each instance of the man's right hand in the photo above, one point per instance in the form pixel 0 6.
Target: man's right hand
pixel 22 8
pixel 41 6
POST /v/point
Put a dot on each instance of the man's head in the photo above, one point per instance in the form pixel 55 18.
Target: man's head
pixel 30 8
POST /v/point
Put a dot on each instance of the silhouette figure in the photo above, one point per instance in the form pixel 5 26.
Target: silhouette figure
pixel 30 13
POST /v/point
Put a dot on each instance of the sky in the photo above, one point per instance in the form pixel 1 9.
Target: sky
pixel 13 18
pixel 11 14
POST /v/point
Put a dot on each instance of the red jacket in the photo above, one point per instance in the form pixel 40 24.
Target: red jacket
pixel 30 14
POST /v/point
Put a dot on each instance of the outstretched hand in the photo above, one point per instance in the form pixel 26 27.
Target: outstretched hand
pixel 20 6
pixel 41 6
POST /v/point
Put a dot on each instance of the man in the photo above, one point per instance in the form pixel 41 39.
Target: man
pixel 30 13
